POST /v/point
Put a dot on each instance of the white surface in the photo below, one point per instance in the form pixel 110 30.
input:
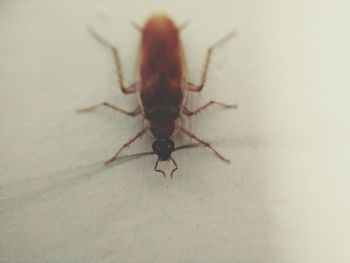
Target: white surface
pixel 284 197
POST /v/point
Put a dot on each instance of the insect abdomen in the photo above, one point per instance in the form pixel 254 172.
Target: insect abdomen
pixel 161 53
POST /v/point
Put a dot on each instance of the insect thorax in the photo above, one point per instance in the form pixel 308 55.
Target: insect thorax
pixel 162 120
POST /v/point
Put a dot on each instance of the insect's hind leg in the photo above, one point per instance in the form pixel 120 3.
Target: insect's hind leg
pixel 190 113
pixel 198 88
pixel 133 113
pixel 119 70
pixel 138 135
pixel 205 144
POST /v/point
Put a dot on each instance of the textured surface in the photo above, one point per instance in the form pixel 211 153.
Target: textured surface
pixel 284 197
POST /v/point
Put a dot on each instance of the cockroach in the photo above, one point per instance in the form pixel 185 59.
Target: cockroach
pixel 161 88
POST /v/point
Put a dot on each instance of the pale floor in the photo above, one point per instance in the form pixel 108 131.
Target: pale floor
pixel 283 199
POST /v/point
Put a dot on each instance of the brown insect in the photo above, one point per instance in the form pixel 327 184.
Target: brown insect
pixel 161 88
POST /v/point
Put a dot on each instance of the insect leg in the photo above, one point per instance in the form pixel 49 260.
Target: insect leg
pixel 204 143
pixel 133 113
pixel 198 88
pixel 125 146
pixel 119 70
pixel 212 102
pixel 136 26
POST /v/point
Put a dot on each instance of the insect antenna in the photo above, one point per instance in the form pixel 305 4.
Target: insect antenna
pixel 187 146
pixel 172 172
pixel 157 170
pixel 131 157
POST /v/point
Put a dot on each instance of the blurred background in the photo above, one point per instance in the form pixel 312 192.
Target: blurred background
pixel 284 197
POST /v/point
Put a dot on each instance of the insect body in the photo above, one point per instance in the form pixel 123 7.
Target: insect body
pixel 162 76
pixel 161 88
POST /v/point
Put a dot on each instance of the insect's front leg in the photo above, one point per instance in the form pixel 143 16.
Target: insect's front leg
pixel 133 113
pixel 189 113
pixel 138 135
pixel 204 143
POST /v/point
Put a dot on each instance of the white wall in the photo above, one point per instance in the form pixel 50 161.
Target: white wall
pixel 284 197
